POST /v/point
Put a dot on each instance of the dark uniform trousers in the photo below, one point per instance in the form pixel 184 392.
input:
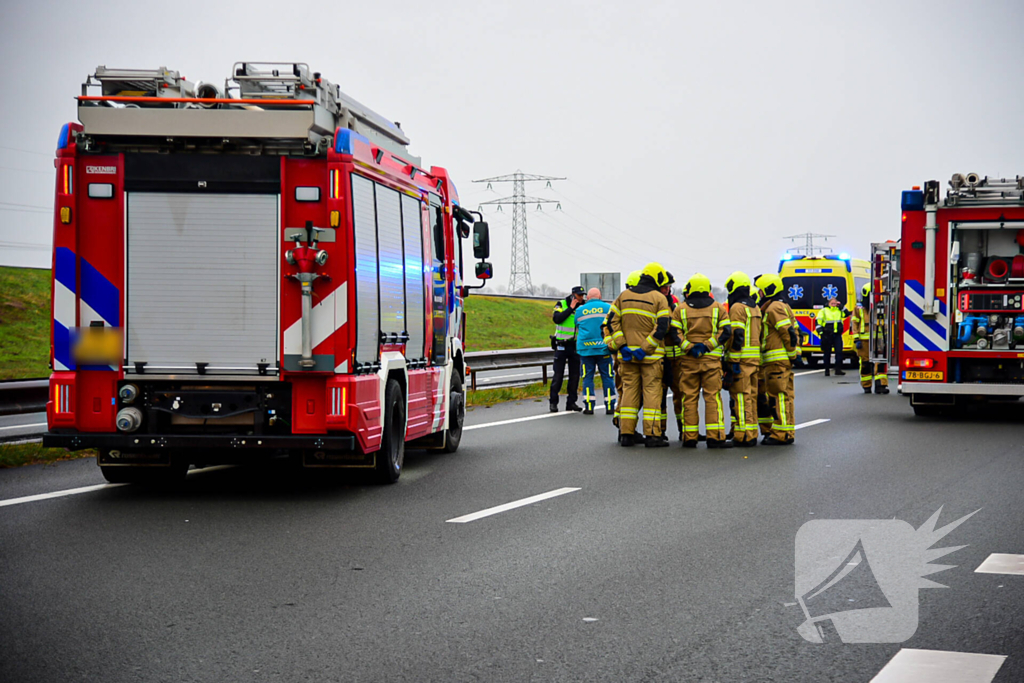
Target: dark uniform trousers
pixel 565 355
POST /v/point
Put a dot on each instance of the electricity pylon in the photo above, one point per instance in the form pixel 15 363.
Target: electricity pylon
pixel 810 249
pixel 519 277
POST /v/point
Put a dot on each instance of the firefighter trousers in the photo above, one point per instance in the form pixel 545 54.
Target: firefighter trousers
pixel 764 410
pixel 743 404
pixel 779 378
pixel 694 377
pixel 669 382
pixel 869 371
pixel 641 383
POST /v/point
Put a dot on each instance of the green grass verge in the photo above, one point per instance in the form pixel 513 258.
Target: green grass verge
pixel 16 455
pixel 494 323
pixel 490 397
pixel 24 323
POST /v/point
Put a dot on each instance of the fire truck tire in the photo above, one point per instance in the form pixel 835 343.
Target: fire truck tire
pixel 456 414
pixel 391 456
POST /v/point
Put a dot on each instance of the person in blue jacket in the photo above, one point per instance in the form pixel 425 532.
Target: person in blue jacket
pixel 593 351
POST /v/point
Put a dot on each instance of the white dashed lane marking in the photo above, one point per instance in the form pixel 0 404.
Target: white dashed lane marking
pixel 1001 563
pixel 937 666
pixel 510 506
pixel 518 419
pixel 813 422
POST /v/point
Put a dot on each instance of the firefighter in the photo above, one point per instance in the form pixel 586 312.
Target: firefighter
pixel 593 351
pixel 632 280
pixel 639 321
pixel 860 330
pixel 673 353
pixel 563 341
pixel 779 347
pixel 744 359
pixel 703 326
pixel 829 326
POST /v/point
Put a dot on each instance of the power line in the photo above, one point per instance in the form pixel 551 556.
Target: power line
pixel 4 208
pixel 26 151
pixel 519 277
pixel 25 245
pixel 27 206
pixel 26 170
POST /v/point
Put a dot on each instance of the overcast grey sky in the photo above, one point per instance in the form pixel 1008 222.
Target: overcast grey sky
pixel 697 134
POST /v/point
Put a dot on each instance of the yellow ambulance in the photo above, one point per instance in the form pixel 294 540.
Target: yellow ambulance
pixel 810 281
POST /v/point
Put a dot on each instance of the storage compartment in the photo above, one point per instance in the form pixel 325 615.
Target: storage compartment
pixel 987 266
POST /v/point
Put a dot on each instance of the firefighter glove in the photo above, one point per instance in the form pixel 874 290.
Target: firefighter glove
pixel 626 353
pixel 737 339
pixel 793 339
pixel 639 354
pixel 858 344
pixel 698 350
pixel 736 370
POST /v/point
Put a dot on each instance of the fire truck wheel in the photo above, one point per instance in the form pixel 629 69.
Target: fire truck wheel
pixel 456 414
pixel 391 456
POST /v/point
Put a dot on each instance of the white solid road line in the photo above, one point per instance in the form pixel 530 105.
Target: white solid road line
pixel 1002 563
pixel 510 506
pixel 808 372
pixel 813 422
pixel 936 666
pixel 518 419
pixel 89 489
pixel 34 424
pixel 57 494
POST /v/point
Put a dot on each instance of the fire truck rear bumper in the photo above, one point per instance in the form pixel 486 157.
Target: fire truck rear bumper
pixel 157 442
pixel 963 389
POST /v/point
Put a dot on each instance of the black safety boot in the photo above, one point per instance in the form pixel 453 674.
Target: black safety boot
pixel 772 441
pixel 749 443
pixel 715 443
pixel 867 390
pixel 553 407
pixel 626 440
pixel 689 444
pixel 827 373
pixel 702 437
pixel 885 388
pixel 573 407
pixel 657 442
pixel 840 373
pixel 588 408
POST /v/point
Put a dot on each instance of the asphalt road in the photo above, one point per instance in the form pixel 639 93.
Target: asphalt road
pixel 664 565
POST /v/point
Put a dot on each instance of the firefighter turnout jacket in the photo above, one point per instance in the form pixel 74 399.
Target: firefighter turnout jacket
pixel 639 321
pixel 779 336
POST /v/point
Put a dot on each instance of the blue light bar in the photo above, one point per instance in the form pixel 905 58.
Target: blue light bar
pixel 912 200
pixel 787 257
pixel 344 140
pixel 63 138
pixel 844 256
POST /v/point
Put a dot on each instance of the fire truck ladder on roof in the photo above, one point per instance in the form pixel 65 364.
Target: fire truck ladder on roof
pixel 160 82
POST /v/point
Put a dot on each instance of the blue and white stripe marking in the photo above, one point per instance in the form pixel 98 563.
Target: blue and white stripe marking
pixel 100 301
pixel 919 333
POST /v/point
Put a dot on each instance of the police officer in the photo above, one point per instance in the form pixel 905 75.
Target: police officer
pixel 829 321
pixel 860 329
pixel 563 341
pixel 743 359
pixel 780 345
pixel 593 351
pixel 703 325
pixel 639 321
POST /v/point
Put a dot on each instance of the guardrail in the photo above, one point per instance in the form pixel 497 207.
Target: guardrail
pixel 509 359
pixel 23 396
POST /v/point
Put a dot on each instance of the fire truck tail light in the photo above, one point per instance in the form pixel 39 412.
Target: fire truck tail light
pixel 65 215
pixel 62 399
pixel 335 184
pixel 339 401
pixel 335 218
pixel 67 179
pixel 920 363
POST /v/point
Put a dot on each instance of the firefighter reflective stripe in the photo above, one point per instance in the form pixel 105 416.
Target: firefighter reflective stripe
pixel 721 415
pixel 782 323
pixel 715 350
pixel 860 322
pixel 683 325
pixel 640 311
pixel 750 351
pixel 774 355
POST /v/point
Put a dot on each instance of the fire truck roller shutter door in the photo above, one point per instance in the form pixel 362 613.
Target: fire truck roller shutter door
pixel 412 228
pixel 202 276
pixel 364 217
pixel 390 266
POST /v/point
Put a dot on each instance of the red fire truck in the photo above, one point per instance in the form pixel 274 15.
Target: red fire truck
pixel 952 290
pixel 261 270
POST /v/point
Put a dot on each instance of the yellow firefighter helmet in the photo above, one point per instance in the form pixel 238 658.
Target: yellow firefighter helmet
pixel 736 280
pixel 697 284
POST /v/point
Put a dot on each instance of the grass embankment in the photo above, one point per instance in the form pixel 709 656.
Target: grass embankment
pixel 494 323
pixel 16 455
pixel 24 323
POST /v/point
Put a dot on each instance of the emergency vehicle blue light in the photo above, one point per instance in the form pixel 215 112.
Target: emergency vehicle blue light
pixel 787 257
pixel 912 200
pixel 344 140
pixel 844 256
pixel 65 133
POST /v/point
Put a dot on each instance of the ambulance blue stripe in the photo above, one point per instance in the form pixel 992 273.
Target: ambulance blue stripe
pixel 100 294
pixel 64 268
pixel 62 345
pixel 919 319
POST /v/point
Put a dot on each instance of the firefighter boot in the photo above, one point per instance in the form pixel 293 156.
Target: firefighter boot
pixel 626 440
pixel 879 388
pixel 656 442
pixel 867 390
pixel 715 443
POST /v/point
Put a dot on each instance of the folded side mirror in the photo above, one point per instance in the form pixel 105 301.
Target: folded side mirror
pixel 481 240
pixel 484 270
